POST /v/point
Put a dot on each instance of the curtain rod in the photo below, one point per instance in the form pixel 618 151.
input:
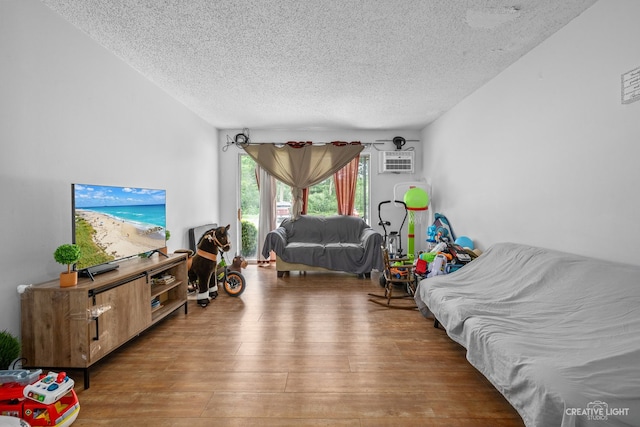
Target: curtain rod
pixel 319 143
pixel 242 138
pixel 366 145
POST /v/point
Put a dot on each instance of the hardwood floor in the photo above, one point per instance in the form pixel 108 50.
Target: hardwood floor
pixel 301 350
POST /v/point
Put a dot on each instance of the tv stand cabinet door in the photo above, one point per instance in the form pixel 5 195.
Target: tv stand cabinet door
pixel 52 319
pixel 127 312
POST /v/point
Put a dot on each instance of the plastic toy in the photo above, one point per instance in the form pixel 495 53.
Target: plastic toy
pixel 202 266
pixel 431 237
pixel 12 422
pixel 439 266
pixel 416 199
pixel 465 242
pixel 39 400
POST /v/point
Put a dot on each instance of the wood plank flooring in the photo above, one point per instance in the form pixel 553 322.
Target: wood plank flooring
pixel 304 350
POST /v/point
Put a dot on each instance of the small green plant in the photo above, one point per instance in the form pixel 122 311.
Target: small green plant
pixel 67 254
pixel 9 349
pixel 249 239
pixel 167 234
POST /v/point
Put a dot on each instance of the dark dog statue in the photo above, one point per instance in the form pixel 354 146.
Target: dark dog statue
pixel 239 263
pixel 203 264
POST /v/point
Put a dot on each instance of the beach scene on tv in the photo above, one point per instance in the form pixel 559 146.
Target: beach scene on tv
pixel 112 223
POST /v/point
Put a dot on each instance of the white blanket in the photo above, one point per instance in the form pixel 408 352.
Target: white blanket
pixel 557 334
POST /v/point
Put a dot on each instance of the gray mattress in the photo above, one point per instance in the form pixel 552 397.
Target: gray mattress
pixel 557 334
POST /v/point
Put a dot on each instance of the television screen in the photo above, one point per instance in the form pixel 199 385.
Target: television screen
pixel 112 223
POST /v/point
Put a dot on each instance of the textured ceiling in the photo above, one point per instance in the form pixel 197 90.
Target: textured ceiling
pixel 319 64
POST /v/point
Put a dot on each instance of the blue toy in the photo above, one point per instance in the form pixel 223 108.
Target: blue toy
pixel 465 242
pixel 431 233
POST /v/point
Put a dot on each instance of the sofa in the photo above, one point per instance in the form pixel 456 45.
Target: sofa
pixel 336 243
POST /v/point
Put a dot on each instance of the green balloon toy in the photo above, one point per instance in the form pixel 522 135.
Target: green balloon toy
pixel 416 199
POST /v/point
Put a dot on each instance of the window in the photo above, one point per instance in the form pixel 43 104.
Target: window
pixel 322 199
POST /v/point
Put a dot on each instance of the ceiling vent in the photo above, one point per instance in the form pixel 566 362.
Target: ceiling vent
pixel 397 161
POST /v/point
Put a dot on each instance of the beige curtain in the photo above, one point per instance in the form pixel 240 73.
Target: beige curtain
pixel 267 217
pixel 302 167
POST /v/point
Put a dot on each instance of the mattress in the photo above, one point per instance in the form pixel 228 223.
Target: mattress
pixel 557 334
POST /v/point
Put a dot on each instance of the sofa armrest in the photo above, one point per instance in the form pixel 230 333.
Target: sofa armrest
pixel 368 237
pixel 275 241
pixel 372 242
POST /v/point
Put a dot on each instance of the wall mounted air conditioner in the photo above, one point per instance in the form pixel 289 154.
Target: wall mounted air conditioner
pixel 397 161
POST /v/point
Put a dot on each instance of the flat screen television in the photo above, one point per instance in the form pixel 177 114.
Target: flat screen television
pixel 113 223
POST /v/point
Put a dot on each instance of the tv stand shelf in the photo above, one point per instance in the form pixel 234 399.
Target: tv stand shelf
pixel 73 328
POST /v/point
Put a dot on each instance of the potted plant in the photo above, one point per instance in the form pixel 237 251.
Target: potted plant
pixel 67 254
pixel 9 349
pixel 167 236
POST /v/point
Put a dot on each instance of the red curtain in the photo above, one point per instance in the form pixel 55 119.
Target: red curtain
pixel 345 183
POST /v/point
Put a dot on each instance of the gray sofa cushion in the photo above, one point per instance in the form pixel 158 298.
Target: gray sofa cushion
pixel 323 230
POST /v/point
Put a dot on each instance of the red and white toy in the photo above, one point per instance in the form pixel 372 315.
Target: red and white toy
pixel 39 400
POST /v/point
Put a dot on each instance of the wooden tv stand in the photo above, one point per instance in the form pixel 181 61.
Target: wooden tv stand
pixel 75 327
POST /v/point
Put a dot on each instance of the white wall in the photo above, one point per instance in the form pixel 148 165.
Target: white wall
pixel 546 154
pixel 72 112
pixel 381 184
